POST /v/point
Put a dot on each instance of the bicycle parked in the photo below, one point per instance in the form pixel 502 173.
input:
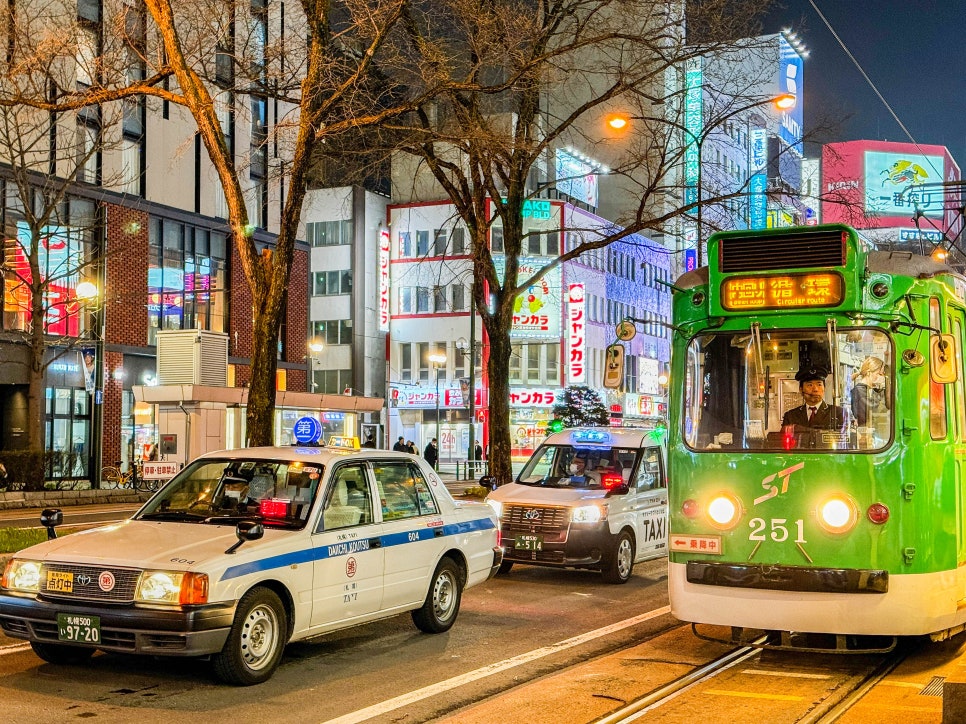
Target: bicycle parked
pixel 114 477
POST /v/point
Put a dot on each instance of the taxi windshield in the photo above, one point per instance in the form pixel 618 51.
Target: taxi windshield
pixel 585 468
pixel 222 492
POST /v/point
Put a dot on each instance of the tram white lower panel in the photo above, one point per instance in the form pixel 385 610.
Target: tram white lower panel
pixel 915 604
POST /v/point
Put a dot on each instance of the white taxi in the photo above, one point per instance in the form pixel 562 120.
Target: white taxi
pixel 246 550
pixel 587 498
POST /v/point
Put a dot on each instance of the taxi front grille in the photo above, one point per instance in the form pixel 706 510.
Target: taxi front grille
pixel 535 518
pixel 86 586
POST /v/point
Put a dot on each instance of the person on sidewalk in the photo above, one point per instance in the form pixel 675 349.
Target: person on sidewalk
pixel 400 445
pixel 431 453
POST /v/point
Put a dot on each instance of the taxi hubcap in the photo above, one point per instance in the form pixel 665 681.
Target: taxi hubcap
pixel 259 636
pixel 444 596
pixel 624 558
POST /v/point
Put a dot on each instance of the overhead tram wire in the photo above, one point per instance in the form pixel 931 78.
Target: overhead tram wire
pixel 872 85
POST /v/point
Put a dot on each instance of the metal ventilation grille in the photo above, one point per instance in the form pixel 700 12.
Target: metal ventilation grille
pixel 804 250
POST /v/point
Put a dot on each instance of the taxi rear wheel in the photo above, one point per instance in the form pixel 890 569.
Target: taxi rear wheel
pixel 442 604
pixel 256 641
pixel 619 563
pixel 61 653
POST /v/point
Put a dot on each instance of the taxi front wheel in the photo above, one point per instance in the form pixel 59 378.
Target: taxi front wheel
pixel 256 642
pixel 619 563
pixel 438 612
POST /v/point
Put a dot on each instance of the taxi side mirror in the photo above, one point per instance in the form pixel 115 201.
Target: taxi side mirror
pixel 50 518
pixel 246 530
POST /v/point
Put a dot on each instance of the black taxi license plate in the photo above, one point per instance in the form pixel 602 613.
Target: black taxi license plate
pixel 79 629
pixel 60 582
pixel 528 543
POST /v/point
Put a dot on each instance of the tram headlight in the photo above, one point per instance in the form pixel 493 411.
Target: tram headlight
pixel 838 514
pixel 724 510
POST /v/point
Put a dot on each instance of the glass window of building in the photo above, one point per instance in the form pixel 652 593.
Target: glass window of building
pixel 458 238
pixel 459 298
pixel 439 299
pixel 516 364
pixel 496 239
pixel 552 366
pixel 405 244
pixel 406 362
pixel 186 277
pixel 422 300
pixel 329 233
pixel 439 242
pixel 422 242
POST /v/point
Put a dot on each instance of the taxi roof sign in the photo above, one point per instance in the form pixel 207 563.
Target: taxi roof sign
pixel 343 442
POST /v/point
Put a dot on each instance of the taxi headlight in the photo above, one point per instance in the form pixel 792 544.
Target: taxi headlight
pixel 172 588
pixel 838 514
pixel 22 575
pixel 497 507
pixel 724 510
pixel 587 514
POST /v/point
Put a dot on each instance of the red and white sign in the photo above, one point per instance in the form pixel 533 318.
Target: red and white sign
pixel 533 398
pixel 576 328
pixel 384 280
pixel 160 470
pixel 710 544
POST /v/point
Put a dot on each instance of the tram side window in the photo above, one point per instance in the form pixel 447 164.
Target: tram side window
pixel 937 390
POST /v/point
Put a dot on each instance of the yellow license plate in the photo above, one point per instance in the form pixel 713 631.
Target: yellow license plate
pixel 60 582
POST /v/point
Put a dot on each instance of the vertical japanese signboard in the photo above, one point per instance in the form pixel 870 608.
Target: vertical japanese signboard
pixel 576 326
pixel 384 279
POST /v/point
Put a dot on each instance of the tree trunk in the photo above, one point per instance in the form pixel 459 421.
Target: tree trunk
pixel 498 380
pixel 261 392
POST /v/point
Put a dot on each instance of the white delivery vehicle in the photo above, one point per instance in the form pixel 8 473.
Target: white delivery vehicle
pixel 588 498
pixel 246 550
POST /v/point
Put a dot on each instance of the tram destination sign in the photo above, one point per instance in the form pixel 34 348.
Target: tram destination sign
pixel 783 291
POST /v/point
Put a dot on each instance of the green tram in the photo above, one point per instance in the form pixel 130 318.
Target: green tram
pixel 836 523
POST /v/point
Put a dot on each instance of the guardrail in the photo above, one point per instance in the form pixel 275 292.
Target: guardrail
pixel 471 469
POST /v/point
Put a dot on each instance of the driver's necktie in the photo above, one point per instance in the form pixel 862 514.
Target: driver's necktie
pixel 811 413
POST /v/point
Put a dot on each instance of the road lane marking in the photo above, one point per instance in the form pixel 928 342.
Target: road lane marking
pixel 793 674
pixel 753 695
pixel 13 649
pixel 427 691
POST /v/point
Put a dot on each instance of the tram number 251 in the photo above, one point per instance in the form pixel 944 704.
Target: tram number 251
pixel 776 529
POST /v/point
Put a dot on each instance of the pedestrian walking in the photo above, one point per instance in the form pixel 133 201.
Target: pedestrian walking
pixel 400 445
pixel 431 453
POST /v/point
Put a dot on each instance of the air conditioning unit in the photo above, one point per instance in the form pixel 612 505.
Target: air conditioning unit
pixel 192 357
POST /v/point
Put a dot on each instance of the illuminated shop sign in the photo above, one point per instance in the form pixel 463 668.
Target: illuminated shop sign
pixel 384 247
pixel 533 397
pixel 790 67
pixel 576 177
pixel 693 125
pixel 889 178
pixel 576 330
pixel 536 312
pixel 786 291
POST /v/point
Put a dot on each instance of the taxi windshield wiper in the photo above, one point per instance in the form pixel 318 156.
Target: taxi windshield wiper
pixel 219 519
pixel 172 515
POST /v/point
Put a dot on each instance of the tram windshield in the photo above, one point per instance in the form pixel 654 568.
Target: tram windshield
pixel 817 389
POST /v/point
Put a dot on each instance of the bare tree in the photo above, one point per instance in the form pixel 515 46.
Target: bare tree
pixel 325 77
pixel 524 79
pixel 50 239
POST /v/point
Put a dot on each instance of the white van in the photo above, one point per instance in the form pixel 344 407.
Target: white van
pixel 590 497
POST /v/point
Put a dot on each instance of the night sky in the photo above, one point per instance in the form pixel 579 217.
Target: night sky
pixel 911 50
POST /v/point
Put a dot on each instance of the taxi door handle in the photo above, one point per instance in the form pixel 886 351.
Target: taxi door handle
pixel 438 533
pixel 375 542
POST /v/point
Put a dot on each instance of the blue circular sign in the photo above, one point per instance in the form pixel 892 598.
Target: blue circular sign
pixel 307 429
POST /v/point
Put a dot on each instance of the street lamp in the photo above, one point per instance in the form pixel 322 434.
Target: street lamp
pixel 620 121
pixel 315 347
pixel 90 294
pixel 437 359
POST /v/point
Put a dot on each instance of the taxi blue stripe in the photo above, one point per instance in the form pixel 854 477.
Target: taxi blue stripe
pixel 345 548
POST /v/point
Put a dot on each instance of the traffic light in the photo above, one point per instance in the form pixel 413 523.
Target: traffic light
pixel 555 425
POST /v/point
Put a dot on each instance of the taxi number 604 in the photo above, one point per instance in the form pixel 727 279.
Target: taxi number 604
pixel 776 528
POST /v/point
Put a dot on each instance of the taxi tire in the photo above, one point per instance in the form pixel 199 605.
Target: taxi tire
pixel 442 605
pixel 256 641
pixel 619 563
pixel 61 653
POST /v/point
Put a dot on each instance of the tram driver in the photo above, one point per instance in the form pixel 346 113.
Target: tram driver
pixel 814 412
